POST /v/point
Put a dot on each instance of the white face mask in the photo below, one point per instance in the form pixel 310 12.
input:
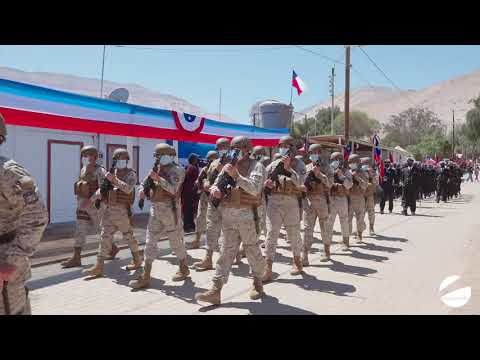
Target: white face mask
pixel 165 160
pixel 222 153
pixel 365 167
pixel 283 151
pixel 353 166
pixel 314 157
pixel 121 164
pixel 335 164
pixel 85 161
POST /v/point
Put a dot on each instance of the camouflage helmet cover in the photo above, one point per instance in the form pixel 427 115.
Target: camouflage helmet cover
pixel 240 142
pixel 212 155
pixel 222 142
pixel 164 149
pixel 121 152
pixel 259 150
pixel 89 149
pixel 354 158
pixel 336 156
pixel 287 139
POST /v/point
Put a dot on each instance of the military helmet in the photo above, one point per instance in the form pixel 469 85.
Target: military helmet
pixel 315 147
pixel 336 156
pixel 119 152
pixel 212 155
pixel 164 149
pixel 259 150
pixel 222 141
pixel 287 139
pixel 240 142
pixel 354 158
pixel 366 161
pixel 3 129
pixel 89 149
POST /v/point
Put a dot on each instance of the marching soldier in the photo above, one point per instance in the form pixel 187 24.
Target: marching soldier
pixel 88 216
pixel 373 180
pixel 357 196
pixel 201 223
pixel 214 216
pixel 342 183
pixel 165 216
pixel 442 181
pixel 409 193
pixel 23 218
pixel 283 206
pixel 317 186
pixel 238 221
pixel 117 215
pixel 388 187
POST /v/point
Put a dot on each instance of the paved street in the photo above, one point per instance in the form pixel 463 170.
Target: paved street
pixel 397 272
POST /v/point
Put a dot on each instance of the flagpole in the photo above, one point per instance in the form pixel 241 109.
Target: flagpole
pixel 291 106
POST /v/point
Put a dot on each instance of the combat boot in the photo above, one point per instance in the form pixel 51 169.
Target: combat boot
pixel 196 243
pixel 143 281
pixel 75 260
pixel 305 262
pixel 372 231
pixel 238 259
pixel 346 244
pixel 359 236
pixel 256 292
pixel 96 270
pixel 297 267
pixel 206 263
pixel 242 252
pixel 211 296
pixel 115 250
pixel 136 262
pixel 182 272
pixel 268 276
pixel 326 257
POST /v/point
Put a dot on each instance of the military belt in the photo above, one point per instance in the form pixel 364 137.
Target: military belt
pixel 8 237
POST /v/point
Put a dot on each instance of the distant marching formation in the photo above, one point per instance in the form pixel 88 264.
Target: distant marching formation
pixel 244 195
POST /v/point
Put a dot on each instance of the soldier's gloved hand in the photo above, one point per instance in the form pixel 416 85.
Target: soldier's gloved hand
pixel 154 176
pixel 95 197
pixel 268 184
pixel 286 162
pixel 141 193
pixel 109 176
pixel 231 170
pixel 215 192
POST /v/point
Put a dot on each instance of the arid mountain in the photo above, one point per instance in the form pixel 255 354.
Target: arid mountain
pixel 91 87
pixel 381 102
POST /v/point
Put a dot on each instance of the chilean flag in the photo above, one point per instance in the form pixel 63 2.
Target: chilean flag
pixel 377 155
pixel 298 83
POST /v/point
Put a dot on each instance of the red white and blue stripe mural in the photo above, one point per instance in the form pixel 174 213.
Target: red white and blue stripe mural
pixel 29 105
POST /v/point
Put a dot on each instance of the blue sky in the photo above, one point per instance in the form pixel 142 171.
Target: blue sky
pixel 246 74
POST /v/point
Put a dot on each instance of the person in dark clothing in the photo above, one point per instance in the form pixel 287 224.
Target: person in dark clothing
pixel 189 194
pixel 442 182
pixel 388 187
pixel 410 187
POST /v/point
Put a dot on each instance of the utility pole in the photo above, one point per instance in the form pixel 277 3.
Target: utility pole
pixel 332 93
pixel 453 134
pixel 347 93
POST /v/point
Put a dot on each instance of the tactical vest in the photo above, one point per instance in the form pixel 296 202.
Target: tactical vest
pixel 159 194
pixel 287 186
pixel 117 196
pixel 239 198
pixel 370 191
pixel 318 189
pixel 87 185
pixel 356 189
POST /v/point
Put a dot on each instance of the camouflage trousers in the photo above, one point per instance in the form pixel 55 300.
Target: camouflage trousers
pixel 370 209
pixel 262 214
pixel 201 221
pixel 87 219
pixel 238 227
pixel 116 219
pixel 315 207
pixel 283 210
pixel 338 206
pixel 214 227
pixel 357 208
pixel 162 223
pixel 18 300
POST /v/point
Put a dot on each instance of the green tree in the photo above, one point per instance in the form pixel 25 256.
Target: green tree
pixel 433 144
pixel 318 125
pixel 361 125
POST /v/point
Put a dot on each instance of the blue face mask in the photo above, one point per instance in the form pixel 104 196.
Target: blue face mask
pixel 165 160
pixel 222 153
pixel 283 151
pixel 314 157
pixel 365 167
pixel 335 164
pixel 121 164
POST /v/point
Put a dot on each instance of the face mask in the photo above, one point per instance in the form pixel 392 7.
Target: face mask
pixel 353 166
pixel 222 153
pixel 365 167
pixel 335 164
pixel 259 157
pixel 85 161
pixel 121 164
pixel 314 157
pixel 165 160
pixel 283 151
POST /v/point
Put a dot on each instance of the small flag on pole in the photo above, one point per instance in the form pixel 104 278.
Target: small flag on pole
pixel 377 155
pixel 298 83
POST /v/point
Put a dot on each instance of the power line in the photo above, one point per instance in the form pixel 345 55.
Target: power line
pixel 222 51
pixel 319 54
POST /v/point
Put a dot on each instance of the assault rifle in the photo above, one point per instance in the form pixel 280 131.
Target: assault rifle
pixel 148 185
pixel 279 170
pixel 106 185
pixel 225 182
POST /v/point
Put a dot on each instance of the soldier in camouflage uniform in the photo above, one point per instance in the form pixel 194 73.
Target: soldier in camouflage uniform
pixel 88 216
pixel 117 215
pixel 201 223
pixel 23 218
pixel 357 196
pixel 319 180
pixel 373 182
pixel 283 206
pixel 165 214
pixel 214 216
pixel 238 221
pixel 342 183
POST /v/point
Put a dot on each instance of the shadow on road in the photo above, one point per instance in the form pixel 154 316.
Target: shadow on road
pixel 390 238
pixel 311 283
pixel 375 247
pixel 338 266
pixel 359 255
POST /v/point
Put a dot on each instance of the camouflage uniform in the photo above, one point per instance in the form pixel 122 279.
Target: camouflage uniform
pixel 373 182
pixel 23 218
pixel 238 226
pixel 357 198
